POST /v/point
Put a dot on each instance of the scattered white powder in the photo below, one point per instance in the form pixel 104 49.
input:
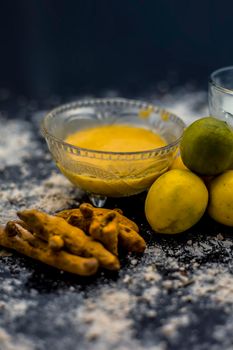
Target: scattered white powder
pixel 108 323
pixel 223 334
pixel 15 308
pixel 9 284
pixel 16 140
pixel 151 275
pixel 215 283
pixel 133 262
pixel 150 294
pixel 172 328
pixel 18 342
pixel 53 194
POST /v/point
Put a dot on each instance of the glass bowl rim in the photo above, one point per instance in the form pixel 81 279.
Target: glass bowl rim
pixel 212 80
pixel 85 102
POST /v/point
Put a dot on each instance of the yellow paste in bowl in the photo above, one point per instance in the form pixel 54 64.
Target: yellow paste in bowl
pixel 114 177
pixel 116 138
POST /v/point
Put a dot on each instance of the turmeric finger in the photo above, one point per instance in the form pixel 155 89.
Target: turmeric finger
pixel 89 212
pixel 12 227
pixel 88 218
pixel 118 210
pixel 39 251
pixel 131 240
pixel 106 231
pixel 82 217
pixel 100 223
pixel 46 226
pixel 105 258
pixel 128 223
pixel 75 218
pixel 56 243
pixel 75 240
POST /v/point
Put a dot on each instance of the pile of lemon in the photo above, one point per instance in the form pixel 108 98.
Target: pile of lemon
pixel 200 180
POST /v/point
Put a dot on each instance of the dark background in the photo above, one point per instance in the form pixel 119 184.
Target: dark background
pixel 78 47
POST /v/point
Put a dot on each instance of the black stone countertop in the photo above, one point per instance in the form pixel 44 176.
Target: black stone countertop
pixel 177 295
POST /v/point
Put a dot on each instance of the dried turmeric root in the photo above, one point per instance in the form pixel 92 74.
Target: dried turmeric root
pixel 77 240
pixel 126 231
pixel 131 240
pixel 18 238
pixel 82 216
pixel 106 230
pixel 58 233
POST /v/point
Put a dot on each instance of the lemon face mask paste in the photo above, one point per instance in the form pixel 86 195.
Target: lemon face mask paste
pixel 110 174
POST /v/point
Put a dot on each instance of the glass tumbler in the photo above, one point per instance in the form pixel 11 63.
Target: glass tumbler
pixel 220 95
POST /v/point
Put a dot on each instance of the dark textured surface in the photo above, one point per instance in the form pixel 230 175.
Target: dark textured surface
pixel 178 295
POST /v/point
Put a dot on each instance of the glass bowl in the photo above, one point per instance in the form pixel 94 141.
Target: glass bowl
pixel 111 174
pixel 220 94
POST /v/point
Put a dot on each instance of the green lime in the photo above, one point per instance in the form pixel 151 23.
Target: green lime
pixel 207 146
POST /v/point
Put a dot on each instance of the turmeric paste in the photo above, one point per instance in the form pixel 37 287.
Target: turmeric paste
pixel 118 178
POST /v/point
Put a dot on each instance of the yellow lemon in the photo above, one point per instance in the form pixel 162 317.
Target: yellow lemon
pixel 176 201
pixel 221 198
